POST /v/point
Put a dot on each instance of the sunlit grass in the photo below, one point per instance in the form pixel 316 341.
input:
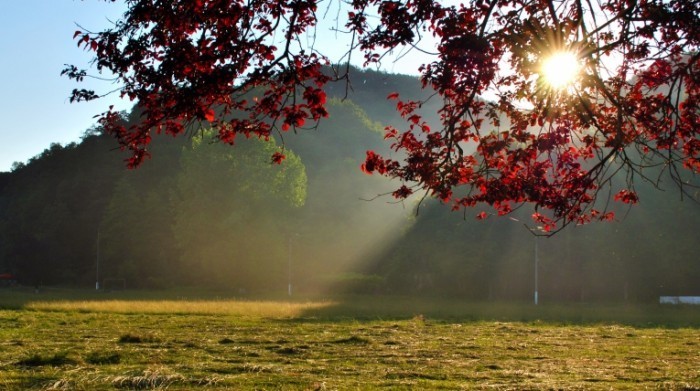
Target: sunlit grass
pixel 263 309
pixel 71 349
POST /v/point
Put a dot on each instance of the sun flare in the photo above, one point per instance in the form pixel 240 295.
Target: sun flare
pixel 560 69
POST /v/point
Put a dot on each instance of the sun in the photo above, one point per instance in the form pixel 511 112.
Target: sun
pixel 560 69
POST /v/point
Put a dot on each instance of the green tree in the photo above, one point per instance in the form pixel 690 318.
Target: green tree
pixel 230 208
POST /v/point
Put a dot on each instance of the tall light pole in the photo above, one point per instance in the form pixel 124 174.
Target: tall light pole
pixel 97 263
pixel 533 231
pixel 289 267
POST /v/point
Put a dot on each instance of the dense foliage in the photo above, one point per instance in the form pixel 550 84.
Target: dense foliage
pixel 252 68
pixel 200 214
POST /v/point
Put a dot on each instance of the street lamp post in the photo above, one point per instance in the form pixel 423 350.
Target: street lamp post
pixel 289 267
pixel 536 267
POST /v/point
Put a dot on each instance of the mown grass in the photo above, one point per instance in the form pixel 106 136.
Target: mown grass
pixel 359 343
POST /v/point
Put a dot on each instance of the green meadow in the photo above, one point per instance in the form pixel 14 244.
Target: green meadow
pixel 72 340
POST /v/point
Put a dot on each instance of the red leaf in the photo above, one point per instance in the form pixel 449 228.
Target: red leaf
pixel 402 193
pixel 627 196
pixel 210 115
pixel 372 163
pixel 415 118
pixel 278 157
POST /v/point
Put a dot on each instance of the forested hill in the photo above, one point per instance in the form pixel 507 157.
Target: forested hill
pixel 201 213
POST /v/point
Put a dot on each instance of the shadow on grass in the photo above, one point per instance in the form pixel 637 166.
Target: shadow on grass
pixel 454 310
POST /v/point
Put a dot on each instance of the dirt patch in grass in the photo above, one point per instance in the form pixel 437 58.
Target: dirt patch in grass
pixel 134 338
pixel 354 340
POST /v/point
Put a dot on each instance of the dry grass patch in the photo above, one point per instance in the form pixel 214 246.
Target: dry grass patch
pixel 147 381
pixel 257 309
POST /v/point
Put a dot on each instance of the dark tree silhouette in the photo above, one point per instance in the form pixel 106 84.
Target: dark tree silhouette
pixel 552 142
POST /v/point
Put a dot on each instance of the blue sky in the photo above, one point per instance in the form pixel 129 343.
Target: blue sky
pixel 35 43
pixel 36 40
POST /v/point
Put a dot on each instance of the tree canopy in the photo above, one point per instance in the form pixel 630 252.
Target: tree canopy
pixel 508 132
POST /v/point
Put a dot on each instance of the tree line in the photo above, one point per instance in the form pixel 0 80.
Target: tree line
pixel 204 214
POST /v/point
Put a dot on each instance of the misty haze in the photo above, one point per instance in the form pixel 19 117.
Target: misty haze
pixel 350 195
pixel 205 214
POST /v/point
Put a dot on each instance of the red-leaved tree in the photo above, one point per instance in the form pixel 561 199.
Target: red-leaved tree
pixel 509 133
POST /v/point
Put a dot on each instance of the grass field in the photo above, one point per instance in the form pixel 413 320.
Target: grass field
pixel 76 341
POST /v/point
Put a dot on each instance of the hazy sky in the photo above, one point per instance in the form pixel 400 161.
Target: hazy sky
pixel 35 43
